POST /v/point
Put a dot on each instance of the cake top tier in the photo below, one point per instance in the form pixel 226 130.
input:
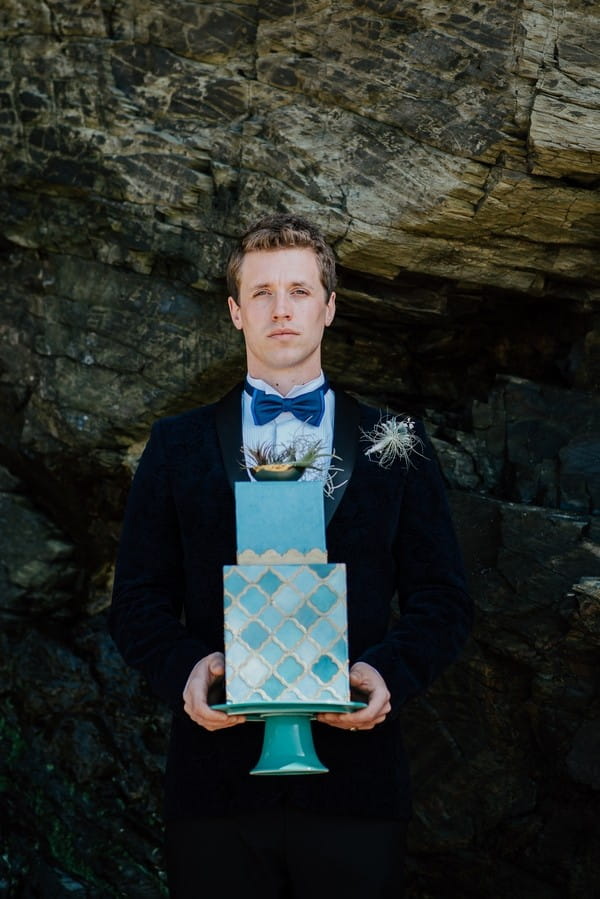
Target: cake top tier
pixel 280 522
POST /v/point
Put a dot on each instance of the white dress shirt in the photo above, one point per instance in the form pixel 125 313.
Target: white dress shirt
pixel 286 428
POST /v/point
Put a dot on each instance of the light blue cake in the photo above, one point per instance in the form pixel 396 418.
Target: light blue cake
pixel 285 624
pixel 280 522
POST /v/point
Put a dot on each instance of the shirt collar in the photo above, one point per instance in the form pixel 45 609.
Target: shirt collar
pixel 297 390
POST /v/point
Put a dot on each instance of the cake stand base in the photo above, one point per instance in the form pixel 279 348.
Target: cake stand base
pixel 288 746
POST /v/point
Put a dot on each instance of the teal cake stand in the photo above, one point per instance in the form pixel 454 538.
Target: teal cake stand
pixel 288 746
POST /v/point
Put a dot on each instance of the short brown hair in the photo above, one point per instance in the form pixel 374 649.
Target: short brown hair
pixel 278 232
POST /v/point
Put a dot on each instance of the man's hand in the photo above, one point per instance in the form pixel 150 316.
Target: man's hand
pixel 205 674
pixel 366 680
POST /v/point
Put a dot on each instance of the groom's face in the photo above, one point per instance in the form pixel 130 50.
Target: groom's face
pixel 282 309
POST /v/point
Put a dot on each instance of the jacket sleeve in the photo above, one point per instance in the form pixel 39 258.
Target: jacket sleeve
pixel 435 606
pixel 144 618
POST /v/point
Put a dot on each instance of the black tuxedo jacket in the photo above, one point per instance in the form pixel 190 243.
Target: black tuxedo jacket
pixel 393 530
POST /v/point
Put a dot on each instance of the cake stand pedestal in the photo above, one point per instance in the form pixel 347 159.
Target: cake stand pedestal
pixel 288 746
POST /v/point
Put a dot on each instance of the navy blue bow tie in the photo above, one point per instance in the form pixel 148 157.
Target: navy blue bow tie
pixel 308 407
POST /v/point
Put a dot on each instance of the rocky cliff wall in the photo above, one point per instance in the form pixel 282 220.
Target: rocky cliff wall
pixel 451 152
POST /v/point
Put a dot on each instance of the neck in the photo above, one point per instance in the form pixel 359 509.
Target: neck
pixel 284 381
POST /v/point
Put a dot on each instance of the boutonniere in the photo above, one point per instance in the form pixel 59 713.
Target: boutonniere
pixel 392 438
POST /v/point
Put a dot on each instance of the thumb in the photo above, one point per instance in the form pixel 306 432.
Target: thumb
pixel 357 676
pixel 216 667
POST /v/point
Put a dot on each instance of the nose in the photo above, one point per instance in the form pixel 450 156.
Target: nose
pixel 282 308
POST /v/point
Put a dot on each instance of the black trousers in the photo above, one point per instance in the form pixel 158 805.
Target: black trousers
pixel 285 853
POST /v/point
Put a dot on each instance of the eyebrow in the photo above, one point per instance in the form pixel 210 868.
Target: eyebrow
pixel 292 284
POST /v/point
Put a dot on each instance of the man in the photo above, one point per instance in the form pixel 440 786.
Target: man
pixel 341 833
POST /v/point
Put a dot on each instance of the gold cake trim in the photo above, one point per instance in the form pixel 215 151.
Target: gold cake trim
pixel 272 557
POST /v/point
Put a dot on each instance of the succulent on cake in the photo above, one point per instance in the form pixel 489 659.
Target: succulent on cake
pixel 286 462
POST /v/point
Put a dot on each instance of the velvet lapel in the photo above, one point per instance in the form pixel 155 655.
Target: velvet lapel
pixel 345 446
pixel 229 428
pixel 345 442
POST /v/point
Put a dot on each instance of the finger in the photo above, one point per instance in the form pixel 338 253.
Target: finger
pixel 368 717
pixel 378 700
pixel 229 723
pixel 369 685
pixel 377 706
pixel 342 725
pixel 346 722
pixel 202 711
pixel 211 719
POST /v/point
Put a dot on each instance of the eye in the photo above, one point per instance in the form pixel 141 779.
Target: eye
pixel 301 291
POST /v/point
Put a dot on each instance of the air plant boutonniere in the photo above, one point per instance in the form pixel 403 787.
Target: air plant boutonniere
pixel 392 438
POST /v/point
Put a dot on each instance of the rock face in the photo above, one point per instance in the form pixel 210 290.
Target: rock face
pixel 451 153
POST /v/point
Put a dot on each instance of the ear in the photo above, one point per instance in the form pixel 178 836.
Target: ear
pixel 235 313
pixel 330 310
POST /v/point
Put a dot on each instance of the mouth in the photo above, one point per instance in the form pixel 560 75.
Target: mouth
pixel 284 332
